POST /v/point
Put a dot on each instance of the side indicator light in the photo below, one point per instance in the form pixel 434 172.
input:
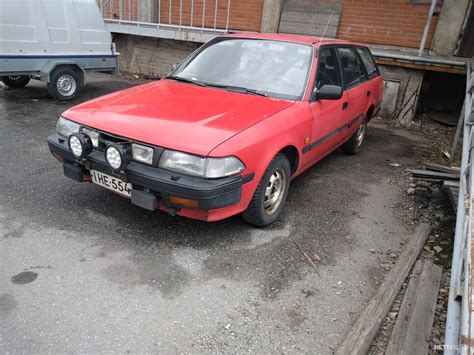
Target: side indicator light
pixel 306 140
pixel 184 201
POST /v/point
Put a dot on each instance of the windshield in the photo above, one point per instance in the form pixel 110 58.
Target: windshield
pixel 271 68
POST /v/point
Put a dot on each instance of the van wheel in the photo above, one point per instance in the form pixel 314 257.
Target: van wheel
pixel 271 193
pixel 352 146
pixel 65 84
pixel 15 81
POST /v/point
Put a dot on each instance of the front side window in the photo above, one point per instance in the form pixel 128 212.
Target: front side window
pixel 329 72
pixel 274 68
pixel 368 61
pixel 353 71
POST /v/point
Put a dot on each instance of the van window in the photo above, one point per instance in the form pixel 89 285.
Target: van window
pixel 352 69
pixel 368 61
pixel 329 72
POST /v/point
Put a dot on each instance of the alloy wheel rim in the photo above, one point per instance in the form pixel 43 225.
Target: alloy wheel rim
pixel 66 85
pixel 361 134
pixel 274 191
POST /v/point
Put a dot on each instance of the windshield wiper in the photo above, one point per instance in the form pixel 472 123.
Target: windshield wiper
pixel 239 89
pixel 185 80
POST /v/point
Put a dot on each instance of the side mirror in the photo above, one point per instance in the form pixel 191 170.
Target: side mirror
pixel 174 66
pixel 327 92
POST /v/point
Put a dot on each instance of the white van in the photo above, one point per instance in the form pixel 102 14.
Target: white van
pixel 55 41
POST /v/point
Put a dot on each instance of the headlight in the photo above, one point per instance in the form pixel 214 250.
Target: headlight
pixel 205 167
pixel 66 127
pixel 142 153
pixel 94 135
pixel 80 145
pixel 186 163
pixel 117 157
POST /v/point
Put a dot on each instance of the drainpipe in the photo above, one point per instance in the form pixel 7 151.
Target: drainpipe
pixel 427 28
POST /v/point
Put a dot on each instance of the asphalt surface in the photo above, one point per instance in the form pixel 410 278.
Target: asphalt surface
pixel 83 270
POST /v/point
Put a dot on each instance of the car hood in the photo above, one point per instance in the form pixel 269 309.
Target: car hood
pixel 175 115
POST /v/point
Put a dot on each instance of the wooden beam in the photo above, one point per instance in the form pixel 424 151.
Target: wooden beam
pixel 412 331
pixel 431 67
pixel 363 332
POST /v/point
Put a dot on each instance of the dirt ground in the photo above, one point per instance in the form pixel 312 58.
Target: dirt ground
pixel 83 270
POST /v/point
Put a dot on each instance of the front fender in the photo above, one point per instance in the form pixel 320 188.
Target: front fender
pixel 256 146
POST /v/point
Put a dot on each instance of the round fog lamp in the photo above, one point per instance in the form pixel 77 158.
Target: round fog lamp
pixel 117 157
pixel 80 145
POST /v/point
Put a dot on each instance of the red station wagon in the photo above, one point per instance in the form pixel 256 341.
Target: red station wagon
pixel 228 129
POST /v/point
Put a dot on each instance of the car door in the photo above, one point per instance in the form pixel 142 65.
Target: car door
pixel 356 84
pixel 329 116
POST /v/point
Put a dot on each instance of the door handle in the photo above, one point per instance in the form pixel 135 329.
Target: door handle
pixel 345 105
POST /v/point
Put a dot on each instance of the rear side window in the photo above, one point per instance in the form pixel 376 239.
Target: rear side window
pixel 352 69
pixel 368 61
pixel 328 68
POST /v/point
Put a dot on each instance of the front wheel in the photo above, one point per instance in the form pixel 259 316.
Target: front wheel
pixel 64 84
pixel 352 146
pixel 270 196
pixel 15 81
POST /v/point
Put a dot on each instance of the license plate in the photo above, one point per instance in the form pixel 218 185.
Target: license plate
pixel 111 183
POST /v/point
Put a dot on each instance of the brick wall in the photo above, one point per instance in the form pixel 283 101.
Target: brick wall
pixel 244 15
pixel 386 22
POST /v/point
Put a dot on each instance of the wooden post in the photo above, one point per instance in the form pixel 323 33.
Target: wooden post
pixel 363 332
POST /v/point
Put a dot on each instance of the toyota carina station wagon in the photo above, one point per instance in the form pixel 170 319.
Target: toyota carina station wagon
pixel 228 129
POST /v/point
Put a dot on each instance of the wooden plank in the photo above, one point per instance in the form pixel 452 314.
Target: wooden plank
pixel 433 174
pixel 412 331
pixel 442 168
pixel 364 330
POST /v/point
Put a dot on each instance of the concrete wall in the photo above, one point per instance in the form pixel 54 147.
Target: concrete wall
pixel 271 15
pixel 150 56
pixel 405 101
pixel 449 27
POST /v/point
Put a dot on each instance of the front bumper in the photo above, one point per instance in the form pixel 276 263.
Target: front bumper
pixel 153 183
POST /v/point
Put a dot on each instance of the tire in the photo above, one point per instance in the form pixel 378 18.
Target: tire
pixel 65 83
pixel 15 81
pixel 261 211
pixel 352 146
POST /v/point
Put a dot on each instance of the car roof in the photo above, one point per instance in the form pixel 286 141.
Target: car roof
pixel 317 41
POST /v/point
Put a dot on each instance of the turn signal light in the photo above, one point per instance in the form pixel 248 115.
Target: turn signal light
pixel 184 201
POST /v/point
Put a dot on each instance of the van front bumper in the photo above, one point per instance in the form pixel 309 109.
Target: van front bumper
pixel 153 183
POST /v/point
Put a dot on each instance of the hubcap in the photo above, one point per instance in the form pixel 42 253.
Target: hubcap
pixel 274 191
pixel 361 133
pixel 66 85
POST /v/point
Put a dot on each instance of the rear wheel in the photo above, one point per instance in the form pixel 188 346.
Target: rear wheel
pixel 352 146
pixel 65 84
pixel 15 81
pixel 270 196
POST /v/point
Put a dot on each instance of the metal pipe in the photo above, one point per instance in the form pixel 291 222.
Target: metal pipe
pixel 427 28
pixel 454 314
pixel 422 60
pixel 120 8
pixel 203 13
pixel 180 13
pixel 169 12
pixel 228 16
pixel 215 16
pixel 159 11
pixel 128 10
pixel 192 13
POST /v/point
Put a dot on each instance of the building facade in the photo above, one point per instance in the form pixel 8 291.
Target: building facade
pixel 414 41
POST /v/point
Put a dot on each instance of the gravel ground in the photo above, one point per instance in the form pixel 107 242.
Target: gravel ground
pixel 83 270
